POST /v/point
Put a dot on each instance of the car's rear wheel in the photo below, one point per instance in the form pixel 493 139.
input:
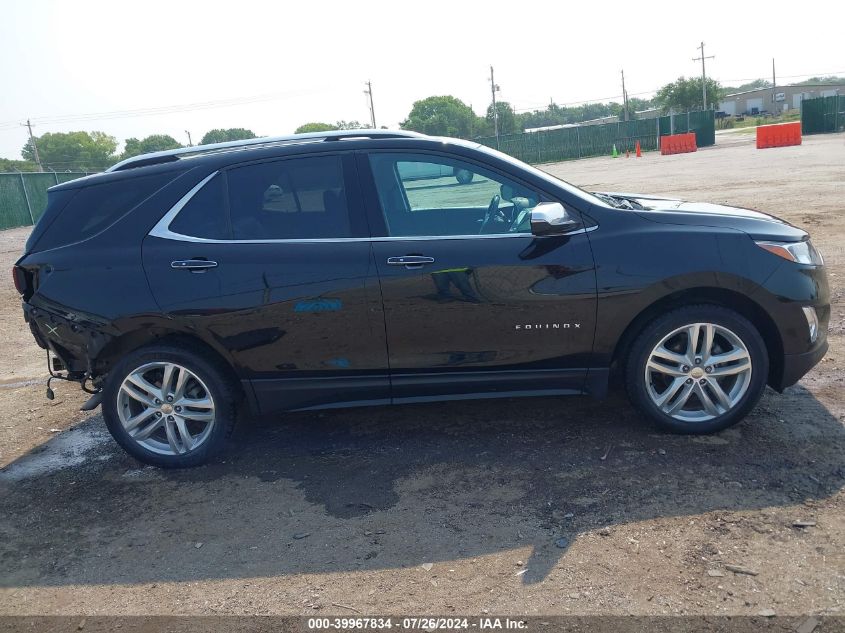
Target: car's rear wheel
pixel 169 407
pixel 697 369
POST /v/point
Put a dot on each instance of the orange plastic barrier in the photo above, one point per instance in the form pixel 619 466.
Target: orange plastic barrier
pixel 779 135
pixel 678 144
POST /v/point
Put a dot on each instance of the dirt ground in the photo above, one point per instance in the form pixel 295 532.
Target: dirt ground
pixel 540 506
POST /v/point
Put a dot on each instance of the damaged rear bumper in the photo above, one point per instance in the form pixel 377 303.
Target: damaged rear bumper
pixel 73 339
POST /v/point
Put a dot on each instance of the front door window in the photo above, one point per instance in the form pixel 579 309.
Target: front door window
pixel 427 195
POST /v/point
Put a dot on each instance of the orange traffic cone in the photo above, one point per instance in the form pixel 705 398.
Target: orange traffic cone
pixel 639 151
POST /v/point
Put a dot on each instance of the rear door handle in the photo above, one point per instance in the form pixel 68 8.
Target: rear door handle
pixel 194 265
pixel 410 261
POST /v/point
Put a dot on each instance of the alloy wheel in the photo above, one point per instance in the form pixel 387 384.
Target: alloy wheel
pixel 166 408
pixel 698 372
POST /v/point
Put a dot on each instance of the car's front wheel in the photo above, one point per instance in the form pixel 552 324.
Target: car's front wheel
pixel 697 369
pixel 169 407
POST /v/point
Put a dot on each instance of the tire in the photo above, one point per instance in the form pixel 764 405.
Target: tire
pixel 464 176
pixel 191 428
pixel 661 360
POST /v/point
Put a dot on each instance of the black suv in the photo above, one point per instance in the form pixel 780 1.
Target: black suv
pixel 355 268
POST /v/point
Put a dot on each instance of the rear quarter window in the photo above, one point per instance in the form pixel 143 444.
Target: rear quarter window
pixel 56 201
pixel 96 207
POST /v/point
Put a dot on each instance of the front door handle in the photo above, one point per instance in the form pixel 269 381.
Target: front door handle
pixel 410 261
pixel 194 265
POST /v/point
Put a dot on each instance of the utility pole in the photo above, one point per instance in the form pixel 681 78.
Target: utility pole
pixel 190 142
pixel 774 83
pixel 624 95
pixel 28 126
pixel 369 93
pixel 703 74
pixel 493 89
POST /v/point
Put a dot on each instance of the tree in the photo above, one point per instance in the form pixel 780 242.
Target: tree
pixel 221 135
pixel 563 115
pixel 315 127
pixel 751 85
pixel 508 123
pixel 328 127
pixel 552 115
pixel 7 165
pixel 685 94
pixel 827 79
pixel 152 143
pixel 442 116
pixel 75 151
pixel 351 125
pixel 635 104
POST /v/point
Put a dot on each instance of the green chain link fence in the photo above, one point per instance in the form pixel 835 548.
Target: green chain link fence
pixel 823 115
pixel 23 196
pixel 598 140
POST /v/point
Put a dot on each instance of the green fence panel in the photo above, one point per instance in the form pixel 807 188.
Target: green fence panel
pixel 703 123
pixel 14 210
pixel 23 196
pixel 823 115
pixel 36 189
pixel 598 140
pixel 577 142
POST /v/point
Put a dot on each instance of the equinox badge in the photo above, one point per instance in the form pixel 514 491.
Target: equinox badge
pixel 547 326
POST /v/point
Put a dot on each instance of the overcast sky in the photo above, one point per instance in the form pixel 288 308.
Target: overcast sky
pixel 276 65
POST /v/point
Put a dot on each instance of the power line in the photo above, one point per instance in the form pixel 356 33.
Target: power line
pixel 223 103
pixel 808 75
pixel 586 101
pixel 170 109
pixel 654 90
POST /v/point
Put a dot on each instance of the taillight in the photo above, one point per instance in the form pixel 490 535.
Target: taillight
pixel 19 276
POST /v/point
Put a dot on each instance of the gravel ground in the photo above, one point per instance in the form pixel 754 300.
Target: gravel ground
pixel 539 506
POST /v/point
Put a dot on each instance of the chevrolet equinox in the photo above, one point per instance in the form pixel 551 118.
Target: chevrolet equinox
pixel 373 267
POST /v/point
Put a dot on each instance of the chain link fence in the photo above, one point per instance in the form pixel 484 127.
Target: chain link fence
pixel 823 115
pixel 581 141
pixel 23 196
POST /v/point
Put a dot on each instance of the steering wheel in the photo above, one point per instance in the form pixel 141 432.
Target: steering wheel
pixel 491 213
pixel 520 218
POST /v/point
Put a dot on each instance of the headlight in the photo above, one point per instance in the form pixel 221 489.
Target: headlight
pixel 798 252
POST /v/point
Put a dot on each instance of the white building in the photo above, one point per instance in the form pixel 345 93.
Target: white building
pixel 776 100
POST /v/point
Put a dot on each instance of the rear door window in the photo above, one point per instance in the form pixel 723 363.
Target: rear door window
pixel 299 198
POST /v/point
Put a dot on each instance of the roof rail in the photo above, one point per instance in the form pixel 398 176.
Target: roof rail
pixel 169 155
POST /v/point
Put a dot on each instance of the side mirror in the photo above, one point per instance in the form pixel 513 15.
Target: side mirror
pixel 550 218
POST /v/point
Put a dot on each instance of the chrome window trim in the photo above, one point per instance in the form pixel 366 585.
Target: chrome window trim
pixel 162 227
pixel 162 230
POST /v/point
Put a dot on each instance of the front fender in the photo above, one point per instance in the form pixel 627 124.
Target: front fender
pixel 640 266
